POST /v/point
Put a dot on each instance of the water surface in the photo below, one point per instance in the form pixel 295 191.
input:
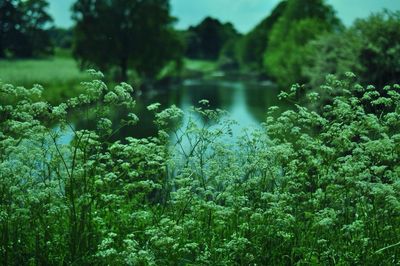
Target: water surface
pixel 246 103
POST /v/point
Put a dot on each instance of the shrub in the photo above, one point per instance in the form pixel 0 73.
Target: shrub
pixel 370 48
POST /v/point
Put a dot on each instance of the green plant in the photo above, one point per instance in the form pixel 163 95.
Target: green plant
pixel 141 37
pixel 369 48
pixel 310 187
pixel 301 22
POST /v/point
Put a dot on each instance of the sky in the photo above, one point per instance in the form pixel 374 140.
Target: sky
pixel 244 14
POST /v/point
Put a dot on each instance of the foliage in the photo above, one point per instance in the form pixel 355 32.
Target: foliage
pixel 331 54
pixel 228 55
pixel 206 40
pixel 140 36
pixel 311 187
pixel 61 38
pixel 22 28
pixel 341 165
pixel 301 22
pixel 253 45
pixel 370 48
pixel 380 52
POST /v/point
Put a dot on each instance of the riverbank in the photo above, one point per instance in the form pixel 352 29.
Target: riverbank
pixel 61 77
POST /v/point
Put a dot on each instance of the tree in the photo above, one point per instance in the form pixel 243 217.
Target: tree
pixel 8 20
pixel 331 54
pixel 35 22
pixel 301 22
pixel 380 47
pixel 125 34
pixel 206 40
pixel 61 37
pixel 253 45
pixel 370 48
pixel 23 28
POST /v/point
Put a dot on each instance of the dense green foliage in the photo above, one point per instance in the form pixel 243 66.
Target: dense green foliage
pixel 370 48
pixel 61 38
pixel 206 40
pixel 380 41
pixel 128 34
pixel 252 46
pixel 22 28
pixel 301 22
pixel 308 42
pixel 330 54
pixel 310 187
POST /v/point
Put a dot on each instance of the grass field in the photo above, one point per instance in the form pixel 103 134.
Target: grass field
pixel 59 75
pixel 200 65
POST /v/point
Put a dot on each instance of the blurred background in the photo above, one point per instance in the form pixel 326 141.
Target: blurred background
pixel 237 54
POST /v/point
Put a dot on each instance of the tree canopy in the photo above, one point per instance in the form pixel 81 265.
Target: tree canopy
pixel 301 22
pixel 206 40
pixel 253 45
pixel 125 34
pixel 370 48
pixel 379 55
pixel 61 37
pixel 23 28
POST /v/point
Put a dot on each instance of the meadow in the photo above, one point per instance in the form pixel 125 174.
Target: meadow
pixel 200 65
pixel 60 75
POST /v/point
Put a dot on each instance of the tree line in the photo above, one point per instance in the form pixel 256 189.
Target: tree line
pixel 113 36
pixel 296 43
pixel 106 34
pixel 302 41
pixel 23 28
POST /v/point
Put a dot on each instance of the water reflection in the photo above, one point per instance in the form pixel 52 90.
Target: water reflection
pixel 259 98
pixel 246 103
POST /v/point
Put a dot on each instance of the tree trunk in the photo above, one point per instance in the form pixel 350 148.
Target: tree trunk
pixel 124 69
pixel 2 52
pixel 5 243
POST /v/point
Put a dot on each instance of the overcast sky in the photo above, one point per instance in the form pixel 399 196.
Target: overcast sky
pixel 244 14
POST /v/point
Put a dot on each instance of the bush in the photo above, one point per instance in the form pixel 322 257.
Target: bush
pixel 370 48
